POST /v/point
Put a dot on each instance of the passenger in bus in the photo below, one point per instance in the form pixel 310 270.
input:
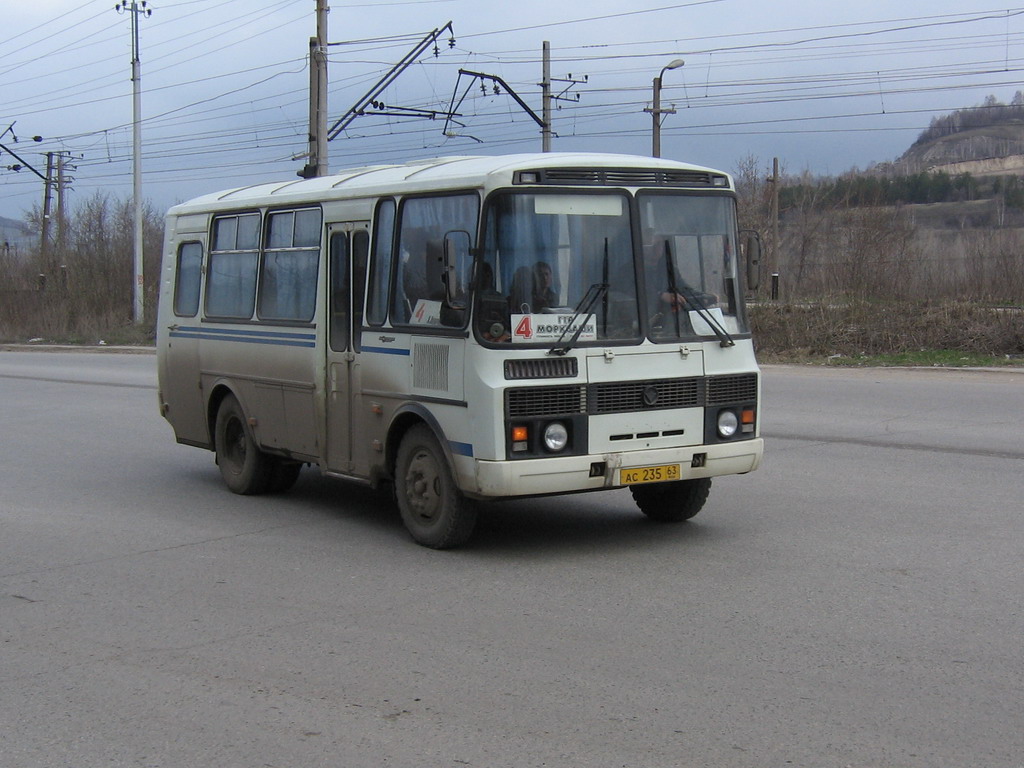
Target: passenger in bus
pixel 533 289
pixel 544 295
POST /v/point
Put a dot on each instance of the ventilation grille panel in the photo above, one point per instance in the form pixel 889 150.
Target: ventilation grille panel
pixel 542 368
pixel 626 177
pixel 430 366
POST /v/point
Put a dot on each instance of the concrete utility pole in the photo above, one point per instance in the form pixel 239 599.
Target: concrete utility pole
pixel 317 165
pixel 136 8
pixel 44 241
pixel 545 85
pixel 61 210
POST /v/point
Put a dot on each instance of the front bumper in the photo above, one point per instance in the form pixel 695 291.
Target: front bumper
pixel 527 477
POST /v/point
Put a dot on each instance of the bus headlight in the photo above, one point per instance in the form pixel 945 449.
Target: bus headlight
pixel 728 423
pixel 556 436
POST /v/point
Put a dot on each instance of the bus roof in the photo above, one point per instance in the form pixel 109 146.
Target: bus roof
pixel 453 173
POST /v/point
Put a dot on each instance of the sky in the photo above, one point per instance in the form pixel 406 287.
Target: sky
pixel 825 86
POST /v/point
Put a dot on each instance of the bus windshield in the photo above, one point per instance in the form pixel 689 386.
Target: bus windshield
pixel 543 254
pixel 689 265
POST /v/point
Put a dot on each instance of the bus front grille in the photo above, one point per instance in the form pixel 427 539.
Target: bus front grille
pixel 623 396
pixel 627 396
pixel 524 402
pixel 732 389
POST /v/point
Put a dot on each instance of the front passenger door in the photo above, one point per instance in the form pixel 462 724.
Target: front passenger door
pixel 347 246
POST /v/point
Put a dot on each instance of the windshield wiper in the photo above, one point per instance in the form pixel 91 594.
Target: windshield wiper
pixel 584 308
pixel 604 298
pixel 670 265
pixel 694 299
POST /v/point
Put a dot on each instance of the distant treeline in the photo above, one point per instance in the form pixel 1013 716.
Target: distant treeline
pixel 990 113
pixel 924 187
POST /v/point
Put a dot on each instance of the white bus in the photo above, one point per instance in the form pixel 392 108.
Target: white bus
pixel 467 329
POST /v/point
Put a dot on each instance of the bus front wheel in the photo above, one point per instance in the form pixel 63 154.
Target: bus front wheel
pixel 242 464
pixel 672 502
pixel 433 509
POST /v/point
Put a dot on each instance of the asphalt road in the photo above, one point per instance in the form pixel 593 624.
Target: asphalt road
pixel 856 602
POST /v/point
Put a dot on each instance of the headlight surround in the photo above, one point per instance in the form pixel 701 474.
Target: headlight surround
pixel 556 436
pixel 728 424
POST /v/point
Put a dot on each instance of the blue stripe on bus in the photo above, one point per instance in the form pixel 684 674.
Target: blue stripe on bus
pixel 462 449
pixel 386 350
pixel 276 338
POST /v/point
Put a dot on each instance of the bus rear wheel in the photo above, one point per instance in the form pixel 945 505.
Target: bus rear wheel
pixel 244 467
pixel 433 509
pixel 672 502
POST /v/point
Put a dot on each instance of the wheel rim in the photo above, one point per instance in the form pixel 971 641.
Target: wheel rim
pixel 423 487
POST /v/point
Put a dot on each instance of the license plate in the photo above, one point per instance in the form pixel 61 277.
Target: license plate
pixel 656 474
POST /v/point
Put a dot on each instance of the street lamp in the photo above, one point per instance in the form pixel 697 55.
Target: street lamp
pixel 656 110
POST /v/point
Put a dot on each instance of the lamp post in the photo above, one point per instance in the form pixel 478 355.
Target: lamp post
pixel 656 110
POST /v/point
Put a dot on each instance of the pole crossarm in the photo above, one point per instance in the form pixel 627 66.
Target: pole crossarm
pixel 474 76
pixel 369 103
pixel 392 111
pixel 571 81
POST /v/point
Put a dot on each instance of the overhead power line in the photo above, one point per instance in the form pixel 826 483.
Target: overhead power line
pixel 259 128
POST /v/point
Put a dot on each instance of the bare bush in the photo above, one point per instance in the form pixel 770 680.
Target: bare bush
pixel 81 288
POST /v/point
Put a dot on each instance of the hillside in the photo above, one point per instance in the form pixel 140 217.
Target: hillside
pixel 987 140
pixel 965 171
pixel 989 151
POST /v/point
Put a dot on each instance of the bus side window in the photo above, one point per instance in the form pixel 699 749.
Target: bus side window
pixel 289 268
pixel 419 287
pixel 231 275
pixel 380 263
pixel 339 292
pixel 187 279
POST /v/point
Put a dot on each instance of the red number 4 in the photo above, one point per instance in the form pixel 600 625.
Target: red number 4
pixel 525 328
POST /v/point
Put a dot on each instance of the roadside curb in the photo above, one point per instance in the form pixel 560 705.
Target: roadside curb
pixel 120 349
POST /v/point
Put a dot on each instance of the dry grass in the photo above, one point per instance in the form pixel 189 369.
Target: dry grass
pixel 863 328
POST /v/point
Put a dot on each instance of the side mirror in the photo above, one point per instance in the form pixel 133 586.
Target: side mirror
pixel 752 251
pixel 457 245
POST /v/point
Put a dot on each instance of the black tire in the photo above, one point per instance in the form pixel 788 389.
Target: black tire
pixel 672 502
pixel 244 467
pixel 433 509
